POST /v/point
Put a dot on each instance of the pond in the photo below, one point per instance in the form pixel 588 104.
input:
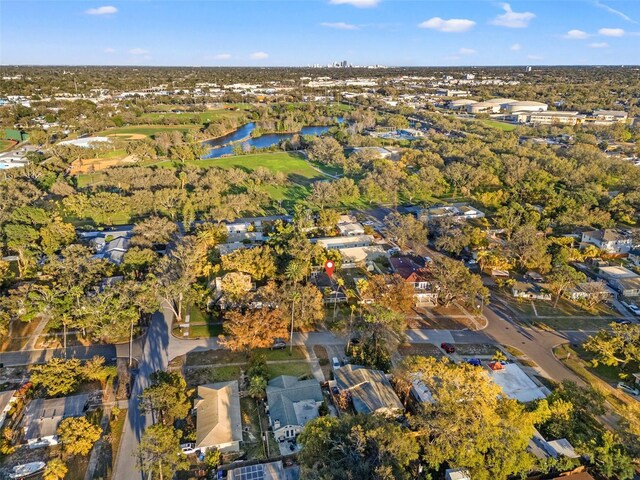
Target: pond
pixel 224 145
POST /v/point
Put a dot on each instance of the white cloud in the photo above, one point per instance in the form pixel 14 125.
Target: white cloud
pixel 611 32
pixel 513 19
pixel 451 25
pixel 259 55
pixel 356 3
pixel 105 10
pixel 516 47
pixel 138 51
pixel 222 56
pixel 576 35
pixel 467 51
pixel 339 25
pixel 109 50
pixel 535 57
pixel 598 45
pixel 614 11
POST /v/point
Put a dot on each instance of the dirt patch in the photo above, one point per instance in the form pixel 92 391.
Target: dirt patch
pixel 221 357
pixel 90 165
pixel 200 376
pixel 20 332
pixel 482 349
pixel 323 360
pixel 428 319
pixel 320 352
pixel 129 136
pixel 422 349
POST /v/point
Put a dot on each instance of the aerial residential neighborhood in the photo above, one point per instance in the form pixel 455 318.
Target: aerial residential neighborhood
pixel 359 251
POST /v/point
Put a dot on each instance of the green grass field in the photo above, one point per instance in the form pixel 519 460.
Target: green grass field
pixel 204 117
pixel 299 173
pixel 148 130
pixel 298 369
pixel 505 127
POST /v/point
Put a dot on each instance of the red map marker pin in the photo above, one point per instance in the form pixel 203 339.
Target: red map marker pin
pixel 328 267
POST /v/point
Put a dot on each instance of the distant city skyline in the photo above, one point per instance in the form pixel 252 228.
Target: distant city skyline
pixel 302 33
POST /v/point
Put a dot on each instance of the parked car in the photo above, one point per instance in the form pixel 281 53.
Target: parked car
pixel 475 362
pixel 188 448
pixel 335 363
pixel 622 321
pixel 628 389
pixel 447 347
pixel 635 309
pixel 278 344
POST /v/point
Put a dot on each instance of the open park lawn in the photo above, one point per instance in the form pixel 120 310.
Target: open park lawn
pixel 177 118
pixel 148 130
pixel 177 122
pixel 505 127
pixel 300 174
pixel 292 165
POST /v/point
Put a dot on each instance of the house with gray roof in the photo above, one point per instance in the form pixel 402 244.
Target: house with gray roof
pixel 42 417
pixel 7 399
pixel 110 245
pixel 218 417
pixel 370 390
pixel 292 403
pixel 609 241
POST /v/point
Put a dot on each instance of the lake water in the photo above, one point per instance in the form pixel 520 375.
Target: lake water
pixel 224 145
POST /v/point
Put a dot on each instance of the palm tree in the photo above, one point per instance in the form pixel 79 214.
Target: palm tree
pixel 353 310
pixel 340 283
pixel 295 297
pixel 294 271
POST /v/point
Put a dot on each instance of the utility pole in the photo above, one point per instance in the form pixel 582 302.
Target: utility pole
pixel 131 345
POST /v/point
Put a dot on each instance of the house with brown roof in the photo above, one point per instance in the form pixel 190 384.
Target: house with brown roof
pixel 424 293
pixel 370 390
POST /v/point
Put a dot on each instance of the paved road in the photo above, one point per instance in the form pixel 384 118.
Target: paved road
pixel 28 357
pixel 155 356
pixel 535 343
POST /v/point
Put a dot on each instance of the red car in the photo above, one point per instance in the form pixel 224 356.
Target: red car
pixel 447 347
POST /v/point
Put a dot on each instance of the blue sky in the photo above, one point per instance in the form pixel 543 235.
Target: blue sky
pixel 303 32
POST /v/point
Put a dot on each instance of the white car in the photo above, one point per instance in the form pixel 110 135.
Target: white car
pixel 188 448
pixel 628 389
pixel 335 363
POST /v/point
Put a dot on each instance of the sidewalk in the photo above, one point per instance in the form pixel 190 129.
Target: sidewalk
pixel 33 338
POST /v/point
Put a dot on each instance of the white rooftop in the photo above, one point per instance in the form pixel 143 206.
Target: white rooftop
pixel 85 142
pixel 516 384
